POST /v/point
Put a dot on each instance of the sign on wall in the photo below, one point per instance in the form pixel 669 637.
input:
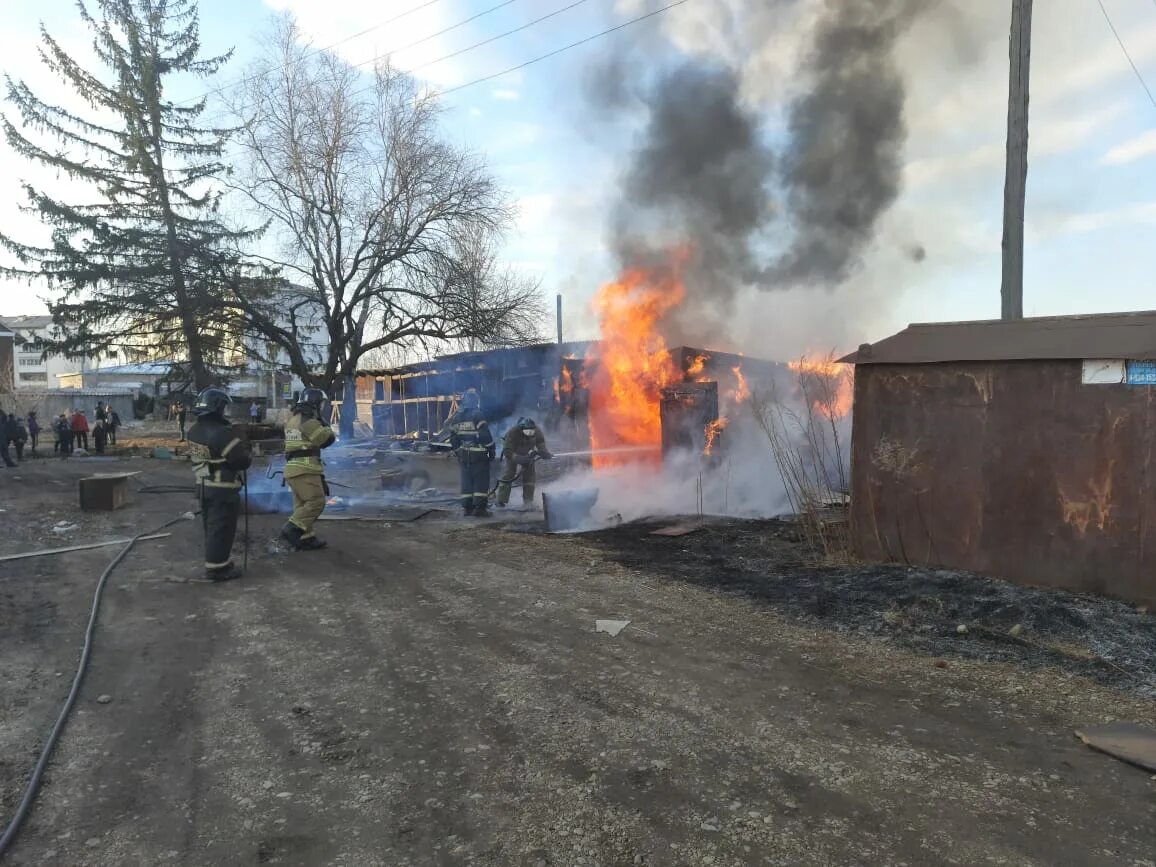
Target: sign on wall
pixel 1107 371
pixel 1142 373
pixel 1098 371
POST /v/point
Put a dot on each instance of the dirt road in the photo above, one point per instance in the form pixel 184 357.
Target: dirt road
pixel 435 693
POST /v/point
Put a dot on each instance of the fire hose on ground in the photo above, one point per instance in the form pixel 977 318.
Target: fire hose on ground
pixel 34 782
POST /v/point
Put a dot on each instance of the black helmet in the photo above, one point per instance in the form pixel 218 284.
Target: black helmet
pixel 525 422
pixel 471 400
pixel 312 398
pixel 212 401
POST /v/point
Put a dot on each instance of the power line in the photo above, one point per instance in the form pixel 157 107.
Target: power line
pixel 237 82
pixel 469 48
pixel 447 30
pixel 564 48
pixel 1131 62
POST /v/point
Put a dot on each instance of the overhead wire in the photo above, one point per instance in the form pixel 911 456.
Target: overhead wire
pixel 446 30
pixel 1124 48
pixel 476 45
pixel 237 82
pixel 563 49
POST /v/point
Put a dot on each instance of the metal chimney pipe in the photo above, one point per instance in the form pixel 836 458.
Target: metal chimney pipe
pixel 559 299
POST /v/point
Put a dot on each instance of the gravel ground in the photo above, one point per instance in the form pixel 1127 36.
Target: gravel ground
pixel 434 692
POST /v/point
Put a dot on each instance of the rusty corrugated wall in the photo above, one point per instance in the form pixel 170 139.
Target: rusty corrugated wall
pixel 1013 469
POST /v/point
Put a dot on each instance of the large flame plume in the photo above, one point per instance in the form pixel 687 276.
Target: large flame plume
pixel 634 363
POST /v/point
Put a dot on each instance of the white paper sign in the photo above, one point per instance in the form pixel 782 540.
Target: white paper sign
pixel 1103 371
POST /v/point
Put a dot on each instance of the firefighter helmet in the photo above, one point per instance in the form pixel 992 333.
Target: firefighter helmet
pixel 212 401
pixel 471 400
pixel 313 398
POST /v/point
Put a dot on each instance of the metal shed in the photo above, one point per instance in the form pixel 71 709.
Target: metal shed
pixel 1018 449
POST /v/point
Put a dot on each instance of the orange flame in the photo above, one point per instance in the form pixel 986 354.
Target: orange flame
pixel 742 390
pixel 830 385
pixel 712 430
pixel 697 365
pixel 634 364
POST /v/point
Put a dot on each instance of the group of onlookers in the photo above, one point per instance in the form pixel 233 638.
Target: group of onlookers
pixel 70 431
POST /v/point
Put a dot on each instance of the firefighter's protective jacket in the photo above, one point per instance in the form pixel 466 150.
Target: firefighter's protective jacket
pixel 305 437
pixel 218 455
pixel 470 435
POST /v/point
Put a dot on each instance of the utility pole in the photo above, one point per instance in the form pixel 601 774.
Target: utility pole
pixel 1016 179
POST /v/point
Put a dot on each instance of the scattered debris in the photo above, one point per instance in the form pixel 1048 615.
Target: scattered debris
pixel 1127 742
pixel 104 699
pixel 610 627
pixel 1016 630
pixel 63 529
pixel 961 629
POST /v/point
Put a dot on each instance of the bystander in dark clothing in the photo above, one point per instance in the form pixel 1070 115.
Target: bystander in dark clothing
pixel 101 411
pixel 181 419
pixel 64 435
pixel 5 437
pixel 113 424
pixel 33 431
pixel 17 435
pixel 100 437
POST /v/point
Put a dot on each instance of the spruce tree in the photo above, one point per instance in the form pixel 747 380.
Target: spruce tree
pixel 135 262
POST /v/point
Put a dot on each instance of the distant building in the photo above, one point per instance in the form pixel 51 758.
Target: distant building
pixel 144 377
pixel 33 368
pixel 262 367
pixel 7 346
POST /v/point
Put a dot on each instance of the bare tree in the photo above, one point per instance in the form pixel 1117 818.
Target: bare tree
pixel 388 230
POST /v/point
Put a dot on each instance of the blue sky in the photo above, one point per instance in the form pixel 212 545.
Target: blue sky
pixel 1092 175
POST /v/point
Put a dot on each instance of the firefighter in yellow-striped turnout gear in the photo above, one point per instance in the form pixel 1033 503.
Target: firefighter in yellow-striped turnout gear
pixel 473 442
pixel 305 436
pixel 219 458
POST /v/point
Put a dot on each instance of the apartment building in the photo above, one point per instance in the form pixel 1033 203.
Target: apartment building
pixel 35 370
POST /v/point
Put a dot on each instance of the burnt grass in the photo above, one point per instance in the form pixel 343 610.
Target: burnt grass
pixel 917 608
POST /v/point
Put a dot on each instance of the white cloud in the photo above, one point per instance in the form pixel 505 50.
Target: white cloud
pixel 505 94
pixel 1043 226
pixel 475 111
pixel 1137 148
pixel 1047 138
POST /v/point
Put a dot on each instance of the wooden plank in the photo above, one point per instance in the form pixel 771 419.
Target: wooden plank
pixel 46 551
pixel 1128 742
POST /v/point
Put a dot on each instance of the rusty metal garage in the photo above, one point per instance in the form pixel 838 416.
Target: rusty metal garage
pixel 1017 449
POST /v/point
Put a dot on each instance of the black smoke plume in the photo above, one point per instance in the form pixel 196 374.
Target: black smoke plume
pixel 799 213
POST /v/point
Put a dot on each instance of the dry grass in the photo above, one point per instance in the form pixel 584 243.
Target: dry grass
pixel 803 430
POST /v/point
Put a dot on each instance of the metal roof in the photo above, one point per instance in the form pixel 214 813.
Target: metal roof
pixel 476 358
pixel 34 321
pixel 1103 335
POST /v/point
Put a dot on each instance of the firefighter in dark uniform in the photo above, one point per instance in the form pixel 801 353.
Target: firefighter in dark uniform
pixel 473 443
pixel 305 436
pixel 219 460
pixel 523 445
